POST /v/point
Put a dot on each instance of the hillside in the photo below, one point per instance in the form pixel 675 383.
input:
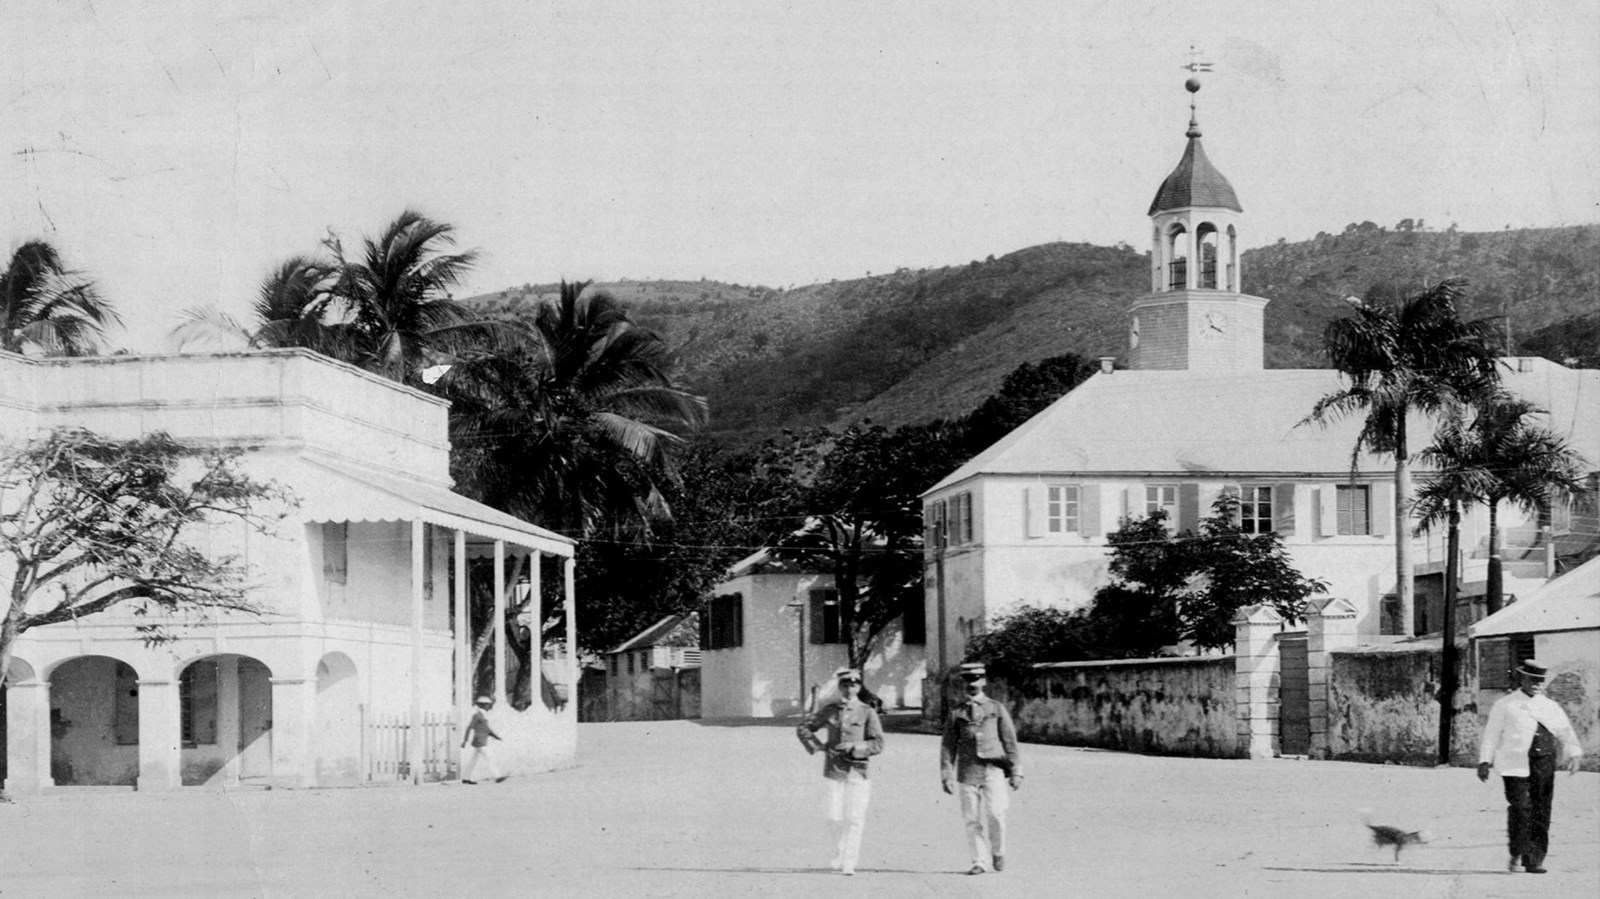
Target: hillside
pixel 919 344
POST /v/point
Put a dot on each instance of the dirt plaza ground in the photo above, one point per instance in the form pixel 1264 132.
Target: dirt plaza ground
pixel 734 809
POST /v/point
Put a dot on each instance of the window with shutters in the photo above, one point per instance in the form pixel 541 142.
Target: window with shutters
pixel 1061 509
pixel 826 624
pixel 1353 507
pixel 1164 498
pixel 723 626
pixel 197 704
pixel 616 665
pixel 1255 510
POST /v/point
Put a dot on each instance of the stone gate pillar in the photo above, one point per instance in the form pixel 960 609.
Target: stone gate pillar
pixel 1256 680
pixel 1330 625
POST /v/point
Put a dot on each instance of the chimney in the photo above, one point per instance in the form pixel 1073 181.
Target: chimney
pixel 1108 364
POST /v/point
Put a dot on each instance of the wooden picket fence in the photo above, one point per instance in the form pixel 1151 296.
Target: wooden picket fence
pixel 388 747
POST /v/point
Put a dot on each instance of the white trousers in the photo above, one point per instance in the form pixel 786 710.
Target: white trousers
pixel 847 816
pixel 470 760
pixel 983 809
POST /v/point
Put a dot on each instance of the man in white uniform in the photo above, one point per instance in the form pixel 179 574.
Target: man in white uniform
pixel 1520 739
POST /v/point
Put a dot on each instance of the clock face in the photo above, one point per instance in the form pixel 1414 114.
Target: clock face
pixel 1213 325
pixel 1133 332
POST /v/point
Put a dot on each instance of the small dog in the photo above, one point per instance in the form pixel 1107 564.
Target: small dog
pixel 1383 835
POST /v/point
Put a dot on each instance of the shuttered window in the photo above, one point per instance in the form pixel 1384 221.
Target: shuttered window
pixel 1353 508
pixel 723 624
pixel 825 619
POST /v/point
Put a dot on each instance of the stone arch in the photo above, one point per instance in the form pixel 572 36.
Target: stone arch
pixel 224 719
pixel 94 721
pixel 336 733
pixel 1207 245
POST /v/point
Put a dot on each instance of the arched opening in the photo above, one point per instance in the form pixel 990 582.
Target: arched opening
pixel 225 720
pixel 94 722
pixel 1177 258
pixel 337 735
pixel 1207 238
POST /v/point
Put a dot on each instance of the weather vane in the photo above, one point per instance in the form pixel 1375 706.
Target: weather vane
pixel 1195 65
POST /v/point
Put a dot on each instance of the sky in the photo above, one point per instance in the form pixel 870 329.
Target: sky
pixel 176 151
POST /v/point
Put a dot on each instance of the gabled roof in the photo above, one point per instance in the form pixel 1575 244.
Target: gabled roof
pixel 1569 602
pixel 1186 423
pixel 655 633
pixel 1195 182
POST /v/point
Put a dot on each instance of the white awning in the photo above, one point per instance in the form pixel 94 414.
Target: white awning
pixel 344 493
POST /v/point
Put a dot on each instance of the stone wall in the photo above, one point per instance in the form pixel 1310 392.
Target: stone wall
pixel 1383 705
pixel 1160 706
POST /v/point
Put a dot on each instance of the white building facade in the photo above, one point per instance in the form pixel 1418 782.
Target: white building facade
pixel 771 641
pixel 1197 415
pixel 360 652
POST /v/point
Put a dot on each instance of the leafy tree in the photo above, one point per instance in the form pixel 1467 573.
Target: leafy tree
pixel 1236 569
pixel 1418 356
pixel 1026 390
pixel 860 490
pixel 1025 635
pixel 89 524
pixel 45 305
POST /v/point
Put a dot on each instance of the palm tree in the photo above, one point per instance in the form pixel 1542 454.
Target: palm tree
pixel 1499 455
pixel 1417 357
pixel 292 309
pixel 397 296
pixel 571 428
pixel 1489 454
pixel 46 306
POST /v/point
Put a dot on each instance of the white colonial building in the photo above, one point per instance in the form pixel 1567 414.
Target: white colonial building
pixel 771 641
pixel 356 667
pixel 1025 520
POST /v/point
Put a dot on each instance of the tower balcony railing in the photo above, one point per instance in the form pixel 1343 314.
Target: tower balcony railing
pixel 1178 274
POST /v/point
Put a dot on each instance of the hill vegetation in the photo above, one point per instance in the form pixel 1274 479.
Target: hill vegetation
pixel 914 345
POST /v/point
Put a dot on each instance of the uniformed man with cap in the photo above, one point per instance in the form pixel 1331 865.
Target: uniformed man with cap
pixel 854 735
pixel 978 758
pixel 1521 740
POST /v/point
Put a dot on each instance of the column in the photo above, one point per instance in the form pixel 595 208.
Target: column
pixel 536 614
pixel 160 736
pixel 28 738
pixel 228 717
pixel 463 639
pixel 498 622
pixel 294 702
pixel 414 740
pixel 1256 680
pixel 570 568
pixel 1330 625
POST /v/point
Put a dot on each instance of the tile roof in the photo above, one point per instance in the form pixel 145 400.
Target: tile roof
pixel 1195 182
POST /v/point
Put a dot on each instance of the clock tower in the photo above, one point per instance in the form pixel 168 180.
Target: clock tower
pixel 1196 317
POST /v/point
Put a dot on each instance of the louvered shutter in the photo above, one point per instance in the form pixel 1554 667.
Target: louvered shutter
pixel 1033 510
pixel 1188 506
pixel 818 621
pixel 1283 509
pixel 1382 509
pixel 1089 510
pixel 1327 510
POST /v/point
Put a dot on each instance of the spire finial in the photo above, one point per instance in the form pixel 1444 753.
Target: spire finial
pixel 1195 67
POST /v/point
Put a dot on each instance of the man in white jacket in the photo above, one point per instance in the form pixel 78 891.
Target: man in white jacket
pixel 1520 739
